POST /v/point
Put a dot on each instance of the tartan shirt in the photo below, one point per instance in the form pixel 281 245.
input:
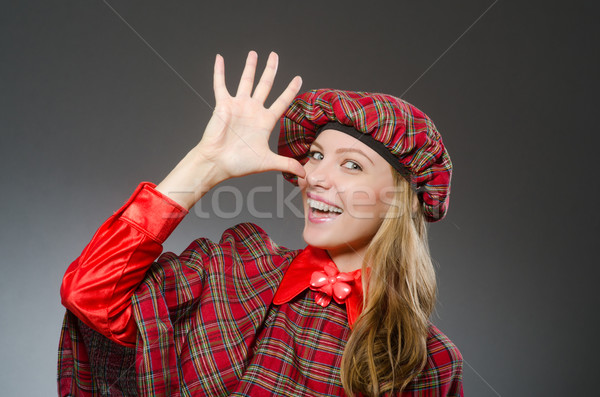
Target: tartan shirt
pixel 204 323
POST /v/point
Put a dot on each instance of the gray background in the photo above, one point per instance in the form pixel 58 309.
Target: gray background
pixel 88 111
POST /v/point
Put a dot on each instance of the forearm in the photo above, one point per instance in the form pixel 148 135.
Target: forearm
pixel 191 179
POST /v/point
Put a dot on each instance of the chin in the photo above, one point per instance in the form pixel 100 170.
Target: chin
pixel 324 239
pixel 316 238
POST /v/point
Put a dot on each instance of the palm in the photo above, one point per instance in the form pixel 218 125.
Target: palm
pixel 236 138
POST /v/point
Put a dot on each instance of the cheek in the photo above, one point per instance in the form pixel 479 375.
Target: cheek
pixel 358 204
pixel 386 197
pixel 368 202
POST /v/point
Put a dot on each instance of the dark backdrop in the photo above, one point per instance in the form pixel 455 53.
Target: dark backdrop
pixel 89 108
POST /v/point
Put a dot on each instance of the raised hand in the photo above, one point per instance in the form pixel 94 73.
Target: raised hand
pixel 236 139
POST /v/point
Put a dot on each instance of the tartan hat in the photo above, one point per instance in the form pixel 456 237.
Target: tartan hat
pixel 398 131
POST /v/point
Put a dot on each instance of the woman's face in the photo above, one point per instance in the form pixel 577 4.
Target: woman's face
pixel 346 193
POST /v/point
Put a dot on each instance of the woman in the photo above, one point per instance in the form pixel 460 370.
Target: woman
pixel 348 314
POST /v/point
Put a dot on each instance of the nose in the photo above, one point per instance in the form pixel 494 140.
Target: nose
pixel 318 175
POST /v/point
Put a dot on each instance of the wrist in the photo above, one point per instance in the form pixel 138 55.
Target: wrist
pixel 191 179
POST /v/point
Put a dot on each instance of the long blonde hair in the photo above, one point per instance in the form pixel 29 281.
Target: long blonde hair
pixel 387 347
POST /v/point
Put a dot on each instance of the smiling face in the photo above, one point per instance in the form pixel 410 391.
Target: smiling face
pixel 346 193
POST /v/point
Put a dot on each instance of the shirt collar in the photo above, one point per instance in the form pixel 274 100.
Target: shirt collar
pixel 298 275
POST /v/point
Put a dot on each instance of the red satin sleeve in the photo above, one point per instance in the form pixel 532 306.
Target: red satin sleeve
pixel 97 287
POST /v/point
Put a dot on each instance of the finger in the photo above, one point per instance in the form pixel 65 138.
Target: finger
pixel 266 80
pixel 286 164
pixel 287 96
pixel 247 79
pixel 219 79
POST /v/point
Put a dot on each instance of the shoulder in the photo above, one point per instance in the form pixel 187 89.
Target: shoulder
pixel 242 243
pixel 250 239
pixel 244 252
pixel 441 349
pixel 444 366
pixel 443 370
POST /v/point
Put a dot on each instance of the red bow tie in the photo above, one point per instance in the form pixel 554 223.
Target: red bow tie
pixel 331 283
pixel 314 269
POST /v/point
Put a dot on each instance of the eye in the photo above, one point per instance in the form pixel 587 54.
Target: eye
pixel 352 165
pixel 313 154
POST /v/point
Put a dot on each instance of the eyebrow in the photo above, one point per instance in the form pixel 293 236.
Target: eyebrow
pixel 346 150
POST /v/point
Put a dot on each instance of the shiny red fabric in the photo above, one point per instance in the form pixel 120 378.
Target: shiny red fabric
pixel 98 285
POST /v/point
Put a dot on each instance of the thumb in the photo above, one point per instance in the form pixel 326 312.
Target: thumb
pixel 287 164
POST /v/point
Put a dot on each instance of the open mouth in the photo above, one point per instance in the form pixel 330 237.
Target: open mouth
pixel 319 209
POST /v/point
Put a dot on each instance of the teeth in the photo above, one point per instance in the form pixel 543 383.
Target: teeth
pixel 322 206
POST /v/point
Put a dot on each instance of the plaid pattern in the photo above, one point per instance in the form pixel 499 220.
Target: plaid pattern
pixel 207 326
pixel 405 131
pixel 90 364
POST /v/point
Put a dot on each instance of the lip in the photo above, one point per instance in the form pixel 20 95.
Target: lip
pixel 320 220
pixel 315 197
pixel 314 219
